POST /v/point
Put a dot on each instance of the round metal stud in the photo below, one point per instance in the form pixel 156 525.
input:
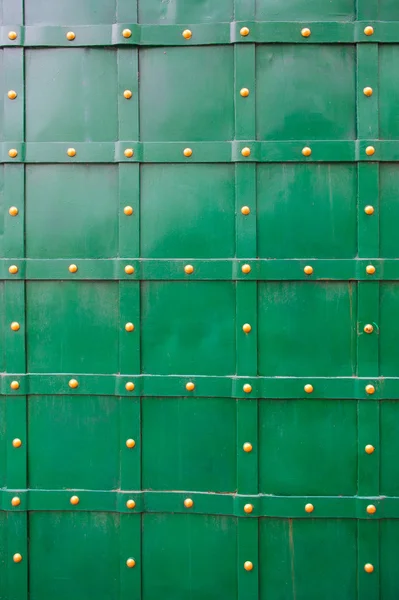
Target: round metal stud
pixel 370 389
pixel 305 32
pixel 74 500
pixel 245 210
pixel 369 210
pixel 188 269
pixel 131 563
pixel 309 508
pixel 17 557
pixel 17 443
pixel 187 34
pixel 369 449
pixel 190 386
pixel 187 152
pixel 126 33
pixel 13 211
pixel 130 443
pixel 12 94
pixel 306 151
pixel 368 91
pixel 246 269
pixel 368 30
pixel 370 269
pixel 248 566
pixel 70 36
pixel 246 151
pixel 371 509
pixel 129 269
pixel 246 328
pixel 370 150
pixel 14 385
pixel 247 447
pixel 13 153
pixel 73 383
pixel 308 388
pixel 128 152
pixel 72 268
pixel 368 567
pixel 12 35
pixel 13 269
pixel 128 210
pixel 308 270
pixel 15 326
pixel 129 327
pixel 368 328
pixel 247 388
pixel 15 501
pixel 127 94
pixel 248 508
pixel 244 31
pixel 129 386
pixel 131 504
pixel 71 152
pixel 244 92
pixel 188 503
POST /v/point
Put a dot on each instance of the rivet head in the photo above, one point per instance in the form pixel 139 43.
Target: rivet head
pixel 13 269
pixel 74 500
pixel 308 270
pixel 131 563
pixel 129 269
pixel 126 33
pixel 368 30
pixel 187 152
pixel 368 567
pixel 245 210
pixel 72 268
pixel 308 388
pixel 368 91
pixel 244 92
pixel 12 35
pixel 368 328
pixel 129 386
pixel 369 210
pixel 13 153
pixel 370 389
pixel 14 385
pixel 309 508
pixel 305 32
pixel 188 269
pixel 73 383
pixel 370 150
pixel 13 211
pixel 128 210
pixel 127 94
pixel 70 36
pixel 371 509
pixel 247 447
pixel 71 152
pixel 131 504
pixel 130 443
pixel 246 269
pixel 248 508
pixel 190 386
pixel 370 269
pixel 17 443
pixel 188 503
pixel 12 94
pixel 129 327
pixel 246 151
pixel 17 557
pixel 16 501
pixel 128 152
pixel 306 151
pixel 15 326
pixel 244 31
pixel 187 34
pixel 247 388
pixel 248 566
pixel 369 449
pixel 246 328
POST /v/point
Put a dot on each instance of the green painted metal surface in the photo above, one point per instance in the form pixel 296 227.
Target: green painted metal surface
pixel 157 461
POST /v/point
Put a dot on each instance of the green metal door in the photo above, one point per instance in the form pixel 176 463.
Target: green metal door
pixel 199 300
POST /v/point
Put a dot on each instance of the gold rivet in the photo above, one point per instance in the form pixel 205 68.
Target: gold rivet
pixel 368 30
pixel 305 32
pixel 188 269
pixel 12 94
pixel 13 211
pixel 248 508
pixel 14 385
pixel 247 447
pixel 369 449
pixel 71 152
pixel 130 443
pixel 12 35
pixel 17 443
pixel 129 327
pixel 368 91
pixel 370 150
pixel 306 151
pixel 131 504
pixel 308 270
pixel 309 508
pixel 129 386
pixel 245 210
pixel 12 153
pixel 17 557
pixel 73 383
pixel 15 326
pixel 72 268
pixel 247 388
pixel 126 33
pixel 188 503
pixel 128 152
pixel 308 388
pixel 127 94
pixel 246 151
pixel 248 566
pixel 13 269
pixel 370 389
pixel 246 328
pixel 244 31
pixel 70 36
pixel 368 328
pixel 370 269
pixel 368 567
pixel 187 152
pixel 129 269
pixel 246 269
pixel 371 509
pixel 131 563
pixel 369 210
pixel 15 501
pixel 190 386
pixel 74 500
pixel 187 34
pixel 128 210
pixel 244 92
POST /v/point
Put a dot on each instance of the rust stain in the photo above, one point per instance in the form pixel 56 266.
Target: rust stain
pixel 292 554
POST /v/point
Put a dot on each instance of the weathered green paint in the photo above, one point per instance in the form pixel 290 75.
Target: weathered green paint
pixel 306 329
